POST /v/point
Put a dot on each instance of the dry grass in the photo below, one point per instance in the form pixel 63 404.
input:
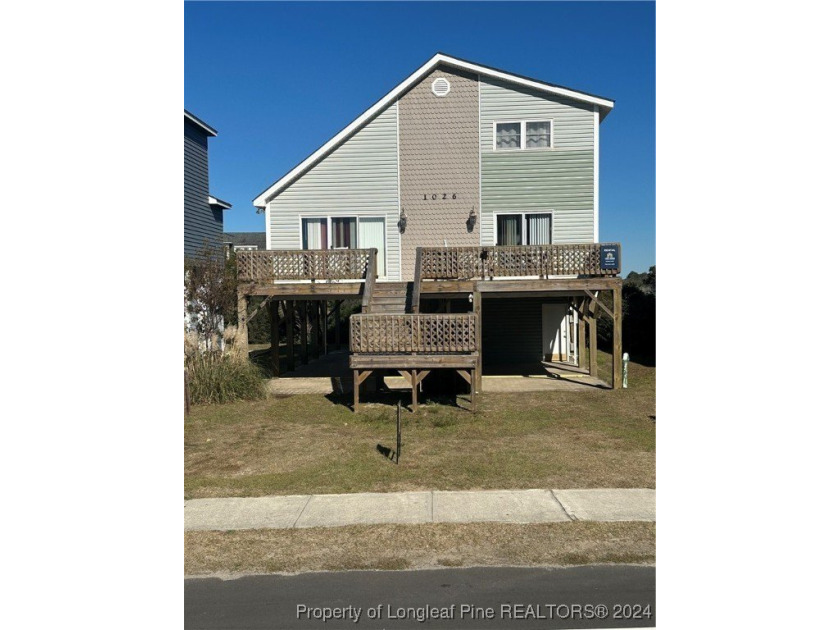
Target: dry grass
pixel 310 444
pixel 390 547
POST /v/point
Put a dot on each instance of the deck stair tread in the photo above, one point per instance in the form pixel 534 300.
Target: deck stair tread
pixel 390 297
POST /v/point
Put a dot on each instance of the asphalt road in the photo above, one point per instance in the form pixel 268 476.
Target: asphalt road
pixel 477 598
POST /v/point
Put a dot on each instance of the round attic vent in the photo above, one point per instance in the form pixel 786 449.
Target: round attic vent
pixel 440 87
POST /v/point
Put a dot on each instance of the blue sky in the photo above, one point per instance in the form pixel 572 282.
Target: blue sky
pixel 278 79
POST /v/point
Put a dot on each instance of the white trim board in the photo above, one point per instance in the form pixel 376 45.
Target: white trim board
pixel 604 105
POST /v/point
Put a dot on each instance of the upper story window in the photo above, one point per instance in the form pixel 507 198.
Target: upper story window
pixel 537 134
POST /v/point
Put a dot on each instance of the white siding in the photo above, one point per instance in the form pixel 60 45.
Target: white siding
pixel 359 178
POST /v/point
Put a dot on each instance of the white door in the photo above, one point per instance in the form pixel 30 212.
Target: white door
pixel 558 333
pixel 372 234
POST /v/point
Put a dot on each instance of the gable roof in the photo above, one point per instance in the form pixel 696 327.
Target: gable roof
pixel 200 123
pixel 245 238
pixel 221 203
pixel 604 105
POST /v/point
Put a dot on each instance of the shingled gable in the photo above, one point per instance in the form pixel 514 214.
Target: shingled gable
pixel 604 107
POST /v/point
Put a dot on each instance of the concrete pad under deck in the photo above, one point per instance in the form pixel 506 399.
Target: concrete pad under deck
pixel 608 504
pixel 501 506
pixel 331 510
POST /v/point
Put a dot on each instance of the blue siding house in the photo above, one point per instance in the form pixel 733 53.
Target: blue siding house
pixel 203 221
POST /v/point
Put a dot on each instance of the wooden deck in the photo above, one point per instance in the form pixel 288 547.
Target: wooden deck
pixel 414 343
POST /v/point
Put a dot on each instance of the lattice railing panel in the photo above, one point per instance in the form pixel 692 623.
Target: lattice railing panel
pixel 305 264
pixel 466 263
pixel 424 333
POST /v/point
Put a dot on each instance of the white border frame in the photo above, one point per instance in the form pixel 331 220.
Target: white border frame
pixel 596 174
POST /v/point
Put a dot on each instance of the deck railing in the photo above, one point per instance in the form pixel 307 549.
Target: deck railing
pixel 466 263
pixel 413 333
pixel 302 264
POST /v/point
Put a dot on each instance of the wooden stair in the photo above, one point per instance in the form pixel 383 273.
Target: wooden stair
pixel 389 297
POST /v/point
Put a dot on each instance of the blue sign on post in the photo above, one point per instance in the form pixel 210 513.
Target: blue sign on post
pixel 610 257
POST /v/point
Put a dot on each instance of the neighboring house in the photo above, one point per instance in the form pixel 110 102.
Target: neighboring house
pixel 488 181
pixel 203 221
pixel 243 241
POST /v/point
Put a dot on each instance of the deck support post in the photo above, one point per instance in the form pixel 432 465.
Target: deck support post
pixel 592 320
pixel 355 391
pixel 581 336
pixel 338 324
pixel 316 334
pixel 274 322
pixel 359 377
pixel 325 347
pixel 304 332
pixel 616 379
pixel 242 316
pixel 477 311
pixel 289 311
pixel 469 377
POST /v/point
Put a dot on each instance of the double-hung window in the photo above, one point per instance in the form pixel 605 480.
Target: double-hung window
pixel 523 134
pixel 523 228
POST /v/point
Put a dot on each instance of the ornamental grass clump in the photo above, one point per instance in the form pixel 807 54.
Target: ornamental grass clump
pixel 220 371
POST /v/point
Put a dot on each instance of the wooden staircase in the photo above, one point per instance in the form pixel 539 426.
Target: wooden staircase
pixel 389 297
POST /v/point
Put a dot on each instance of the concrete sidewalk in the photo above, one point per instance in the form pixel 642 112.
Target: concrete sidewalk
pixel 501 506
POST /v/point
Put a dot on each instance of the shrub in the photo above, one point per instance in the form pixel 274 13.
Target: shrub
pixel 220 376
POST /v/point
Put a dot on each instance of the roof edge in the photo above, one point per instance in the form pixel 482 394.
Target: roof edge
pixel 215 201
pixel 196 120
pixel 604 106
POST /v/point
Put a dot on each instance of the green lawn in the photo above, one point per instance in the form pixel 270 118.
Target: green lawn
pixel 311 444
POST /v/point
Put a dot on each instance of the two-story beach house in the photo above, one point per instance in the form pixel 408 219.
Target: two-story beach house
pixel 462 209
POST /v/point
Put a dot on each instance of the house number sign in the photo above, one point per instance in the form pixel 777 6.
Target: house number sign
pixel 441 196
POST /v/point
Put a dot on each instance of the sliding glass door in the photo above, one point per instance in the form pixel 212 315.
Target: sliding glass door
pixel 372 234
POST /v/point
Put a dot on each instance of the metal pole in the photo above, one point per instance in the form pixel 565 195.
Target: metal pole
pixel 399 429
pixel 625 359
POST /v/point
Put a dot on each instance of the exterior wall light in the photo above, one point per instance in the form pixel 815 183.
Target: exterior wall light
pixel 471 220
pixel 402 222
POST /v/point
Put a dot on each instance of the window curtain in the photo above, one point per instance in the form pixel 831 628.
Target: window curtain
pixel 313 234
pixel 539 229
pixel 537 135
pixel 509 229
pixel 508 135
pixel 344 233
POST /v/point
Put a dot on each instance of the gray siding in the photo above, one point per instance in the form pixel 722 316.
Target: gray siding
pixel 202 224
pixel 560 179
pixel 439 156
pixel 359 178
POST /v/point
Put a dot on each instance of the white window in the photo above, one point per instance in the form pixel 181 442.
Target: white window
pixel 346 233
pixel 523 228
pixel 537 134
